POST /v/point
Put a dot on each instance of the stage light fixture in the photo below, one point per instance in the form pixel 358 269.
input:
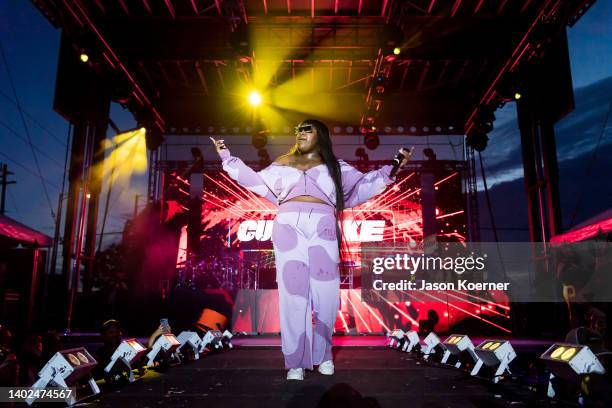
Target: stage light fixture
pixel 397 51
pixel 431 341
pixel 477 139
pixel 191 344
pixel 485 119
pixel 153 137
pixel 494 353
pixel 570 362
pixel 430 154
pixel 517 96
pixel 361 154
pixel 379 84
pixel 65 369
pixel 213 340
pixel 456 344
pixel 227 339
pixel 130 351
pixel 396 338
pixel 84 57
pixel 259 139
pixel 196 153
pixel 165 346
pixel 412 340
pixel 371 140
pixel 254 98
pixel 121 89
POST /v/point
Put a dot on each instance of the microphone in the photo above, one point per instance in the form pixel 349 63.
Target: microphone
pixel 396 162
pixel 398 159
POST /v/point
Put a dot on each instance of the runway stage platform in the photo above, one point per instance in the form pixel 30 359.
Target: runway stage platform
pixel 368 374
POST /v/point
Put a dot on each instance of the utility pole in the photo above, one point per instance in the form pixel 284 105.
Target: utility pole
pixel 4 182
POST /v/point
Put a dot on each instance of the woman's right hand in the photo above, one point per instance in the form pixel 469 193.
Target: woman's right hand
pixel 219 145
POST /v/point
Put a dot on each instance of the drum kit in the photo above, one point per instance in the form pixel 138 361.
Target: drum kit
pixel 227 271
pixel 234 270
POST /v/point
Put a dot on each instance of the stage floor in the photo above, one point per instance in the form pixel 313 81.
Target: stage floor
pixel 366 376
pixel 380 341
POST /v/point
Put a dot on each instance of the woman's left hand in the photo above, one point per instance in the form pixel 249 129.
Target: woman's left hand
pixel 407 156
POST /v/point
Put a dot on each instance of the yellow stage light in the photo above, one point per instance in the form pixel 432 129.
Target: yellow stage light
pixel 254 98
pixel 568 354
pixel 84 57
pixel 517 96
pixel 397 50
pixel 126 155
pixel 557 353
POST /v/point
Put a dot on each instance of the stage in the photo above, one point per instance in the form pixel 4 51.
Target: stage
pixel 368 374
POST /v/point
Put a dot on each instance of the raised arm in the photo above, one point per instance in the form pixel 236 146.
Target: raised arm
pixel 359 187
pixel 246 176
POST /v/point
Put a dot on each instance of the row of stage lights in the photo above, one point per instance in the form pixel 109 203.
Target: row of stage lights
pixel 335 129
pixel 570 362
pixel 68 367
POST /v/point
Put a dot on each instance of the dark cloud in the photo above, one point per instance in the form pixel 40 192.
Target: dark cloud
pixel 584 175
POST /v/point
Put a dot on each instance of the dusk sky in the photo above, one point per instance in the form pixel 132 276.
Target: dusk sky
pixel 30 52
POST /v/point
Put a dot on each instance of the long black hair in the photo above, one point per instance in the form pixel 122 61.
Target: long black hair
pixel 324 146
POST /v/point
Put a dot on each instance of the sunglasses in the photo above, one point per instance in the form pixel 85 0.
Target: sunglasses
pixel 304 128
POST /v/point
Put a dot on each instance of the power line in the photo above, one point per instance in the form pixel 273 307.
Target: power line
pixel 32 172
pixel 34 120
pixel 25 126
pixel 14 202
pixel 13 131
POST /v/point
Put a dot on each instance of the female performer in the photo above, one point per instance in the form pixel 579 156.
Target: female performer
pixel 311 187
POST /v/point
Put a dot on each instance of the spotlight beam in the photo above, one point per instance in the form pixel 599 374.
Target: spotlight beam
pixel 478 305
pixel 464 311
pixel 484 300
pixel 343 321
pixel 357 312
pixel 247 193
pixel 398 309
pixel 375 316
pixel 230 191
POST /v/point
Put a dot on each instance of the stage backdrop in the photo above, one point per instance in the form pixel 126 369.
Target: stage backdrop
pixel 236 248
